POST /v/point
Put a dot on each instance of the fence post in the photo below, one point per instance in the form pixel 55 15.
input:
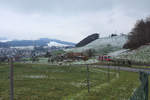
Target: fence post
pixel 147 87
pixel 88 79
pixel 119 70
pixel 108 73
pixel 11 79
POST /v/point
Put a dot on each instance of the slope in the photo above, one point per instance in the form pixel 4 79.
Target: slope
pixel 142 54
pixel 104 45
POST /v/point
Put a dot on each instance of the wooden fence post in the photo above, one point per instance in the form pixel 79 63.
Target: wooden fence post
pixel 119 70
pixel 11 79
pixel 108 73
pixel 88 79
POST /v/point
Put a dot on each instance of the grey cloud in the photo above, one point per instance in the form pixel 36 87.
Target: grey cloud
pixel 71 20
pixel 133 7
pixel 57 6
pixel 75 6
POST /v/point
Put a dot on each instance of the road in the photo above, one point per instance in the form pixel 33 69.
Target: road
pixel 124 68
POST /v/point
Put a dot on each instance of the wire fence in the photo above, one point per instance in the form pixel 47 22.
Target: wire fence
pixel 141 93
pixel 90 80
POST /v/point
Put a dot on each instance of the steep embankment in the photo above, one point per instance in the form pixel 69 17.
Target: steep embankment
pixel 104 45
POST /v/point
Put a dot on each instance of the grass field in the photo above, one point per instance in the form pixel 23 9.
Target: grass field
pixel 45 82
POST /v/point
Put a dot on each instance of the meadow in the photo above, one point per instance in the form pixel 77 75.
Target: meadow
pixel 50 82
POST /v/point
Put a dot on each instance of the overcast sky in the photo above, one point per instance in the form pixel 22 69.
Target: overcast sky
pixel 69 20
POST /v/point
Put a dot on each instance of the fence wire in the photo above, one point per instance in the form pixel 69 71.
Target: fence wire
pixel 141 93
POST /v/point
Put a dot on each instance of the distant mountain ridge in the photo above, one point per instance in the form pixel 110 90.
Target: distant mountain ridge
pixel 56 44
pixel 39 42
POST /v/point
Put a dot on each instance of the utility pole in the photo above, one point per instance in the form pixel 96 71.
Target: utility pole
pixel 11 79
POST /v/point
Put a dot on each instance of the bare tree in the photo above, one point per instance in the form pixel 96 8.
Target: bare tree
pixel 140 34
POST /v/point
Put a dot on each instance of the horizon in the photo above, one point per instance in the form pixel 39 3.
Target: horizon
pixel 5 39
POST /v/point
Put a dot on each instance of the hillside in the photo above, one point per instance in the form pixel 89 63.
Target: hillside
pixel 142 54
pixel 104 45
